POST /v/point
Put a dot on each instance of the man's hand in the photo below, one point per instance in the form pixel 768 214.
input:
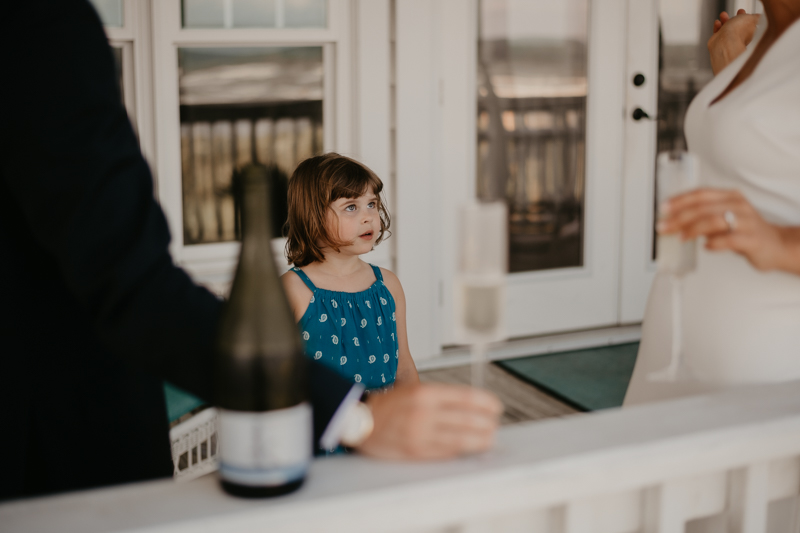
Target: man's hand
pixel 731 37
pixel 431 421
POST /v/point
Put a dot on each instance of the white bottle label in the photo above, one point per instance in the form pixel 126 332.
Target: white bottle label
pixel 265 449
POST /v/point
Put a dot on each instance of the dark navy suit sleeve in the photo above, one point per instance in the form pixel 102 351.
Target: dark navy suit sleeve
pixel 72 163
pixel 73 170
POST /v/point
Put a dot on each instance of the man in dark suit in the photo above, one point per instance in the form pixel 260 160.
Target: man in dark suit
pixel 93 312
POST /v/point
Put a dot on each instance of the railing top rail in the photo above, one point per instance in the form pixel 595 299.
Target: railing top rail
pixel 534 465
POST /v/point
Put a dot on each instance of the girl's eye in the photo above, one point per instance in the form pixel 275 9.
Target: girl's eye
pixel 350 207
pixel 371 205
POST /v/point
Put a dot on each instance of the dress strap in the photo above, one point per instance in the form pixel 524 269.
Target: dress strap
pixel 377 271
pixel 305 279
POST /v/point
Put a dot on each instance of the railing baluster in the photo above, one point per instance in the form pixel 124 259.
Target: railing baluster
pixel 670 506
pixel 784 478
pixel 534 521
pixel 615 513
pixel 664 509
pixel 748 498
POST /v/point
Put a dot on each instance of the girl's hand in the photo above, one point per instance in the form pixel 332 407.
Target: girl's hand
pixel 729 222
pixel 731 37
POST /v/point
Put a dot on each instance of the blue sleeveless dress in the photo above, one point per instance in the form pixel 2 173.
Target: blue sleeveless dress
pixel 353 333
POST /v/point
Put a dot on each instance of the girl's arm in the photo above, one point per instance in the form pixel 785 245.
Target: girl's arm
pixel 297 293
pixel 406 370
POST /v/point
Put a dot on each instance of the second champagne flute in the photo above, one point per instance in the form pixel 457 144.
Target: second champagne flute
pixel 676 173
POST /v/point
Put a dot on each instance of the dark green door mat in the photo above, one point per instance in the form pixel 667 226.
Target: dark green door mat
pixel 591 379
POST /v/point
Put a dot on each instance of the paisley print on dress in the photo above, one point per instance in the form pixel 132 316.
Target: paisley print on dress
pixel 333 317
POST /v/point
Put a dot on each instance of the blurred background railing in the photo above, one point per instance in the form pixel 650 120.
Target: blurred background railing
pixel 239 106
pixel 216 141
pixel 544 141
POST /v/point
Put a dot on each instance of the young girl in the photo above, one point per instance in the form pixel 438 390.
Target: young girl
pixel 352 315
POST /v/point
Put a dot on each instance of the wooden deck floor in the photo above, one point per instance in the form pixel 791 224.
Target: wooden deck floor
pixel 522 401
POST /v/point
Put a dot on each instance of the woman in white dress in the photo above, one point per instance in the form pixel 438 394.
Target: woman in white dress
pixel 741 307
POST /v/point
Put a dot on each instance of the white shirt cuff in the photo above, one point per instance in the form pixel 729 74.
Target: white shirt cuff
pixel 333 432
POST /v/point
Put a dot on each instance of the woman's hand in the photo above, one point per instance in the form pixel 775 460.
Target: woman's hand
pixel 731 37
pixel 729 222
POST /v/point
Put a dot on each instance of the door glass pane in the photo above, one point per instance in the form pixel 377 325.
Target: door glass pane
pixel 110 12
pixel 531 125
pixel 684 66
pixel 237 106
pixel 254 13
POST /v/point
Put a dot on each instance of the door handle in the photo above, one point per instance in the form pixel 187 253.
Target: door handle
pixel 639 114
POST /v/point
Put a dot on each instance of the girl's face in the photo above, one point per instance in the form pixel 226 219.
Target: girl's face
pixel 355 221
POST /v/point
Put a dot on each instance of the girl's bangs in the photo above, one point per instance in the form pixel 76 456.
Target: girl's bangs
pixel 353 184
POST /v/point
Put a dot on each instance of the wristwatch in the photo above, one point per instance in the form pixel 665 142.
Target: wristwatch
pixel 357 426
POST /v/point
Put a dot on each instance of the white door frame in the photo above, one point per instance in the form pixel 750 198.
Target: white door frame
pixel 539 302
pixel 637 267
pixel 418 187
pixel 134 37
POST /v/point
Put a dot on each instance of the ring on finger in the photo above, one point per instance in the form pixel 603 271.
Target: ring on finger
pixel 730 219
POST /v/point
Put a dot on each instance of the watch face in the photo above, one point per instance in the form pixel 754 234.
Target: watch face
pixel 358 425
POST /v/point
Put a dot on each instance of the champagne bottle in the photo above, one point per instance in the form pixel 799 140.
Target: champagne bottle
pixel 265 422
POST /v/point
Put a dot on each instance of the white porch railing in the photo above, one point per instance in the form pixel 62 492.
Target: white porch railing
pixel 727 462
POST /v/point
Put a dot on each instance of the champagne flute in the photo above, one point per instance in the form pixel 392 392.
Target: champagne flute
pixel 480 289
pixel 676 173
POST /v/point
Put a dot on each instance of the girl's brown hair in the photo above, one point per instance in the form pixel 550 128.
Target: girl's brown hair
pixel 315 184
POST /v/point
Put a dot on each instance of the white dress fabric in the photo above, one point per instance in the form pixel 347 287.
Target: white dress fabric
pixel 740 326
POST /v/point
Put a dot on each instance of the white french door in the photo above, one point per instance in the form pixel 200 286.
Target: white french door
pixel 464 77
pixel 574 227
pixel 639 55
pixel 637 266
